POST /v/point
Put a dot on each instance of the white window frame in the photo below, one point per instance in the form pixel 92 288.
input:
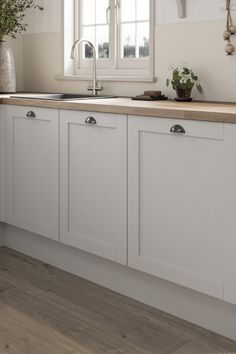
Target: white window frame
pixel 72 70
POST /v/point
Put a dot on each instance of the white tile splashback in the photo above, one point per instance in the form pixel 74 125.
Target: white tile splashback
pixel 197 10
pixel 50 20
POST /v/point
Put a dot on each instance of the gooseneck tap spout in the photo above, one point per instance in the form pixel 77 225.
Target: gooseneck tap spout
pixel 95 86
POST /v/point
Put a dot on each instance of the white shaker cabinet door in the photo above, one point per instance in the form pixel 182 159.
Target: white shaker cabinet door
pixel 182 203
pixel 32 169
pixel 93 213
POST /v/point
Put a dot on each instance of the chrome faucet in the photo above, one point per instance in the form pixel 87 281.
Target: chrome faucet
pixel 95 87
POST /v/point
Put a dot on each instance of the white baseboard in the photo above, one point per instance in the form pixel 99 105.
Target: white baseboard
pixel 189 305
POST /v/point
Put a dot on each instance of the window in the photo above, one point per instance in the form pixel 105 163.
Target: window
pixel 135 28
pixel 122 32
pixel 94 26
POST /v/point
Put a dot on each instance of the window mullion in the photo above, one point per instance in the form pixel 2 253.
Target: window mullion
pixel 118 31
pixel 136 31
pixel 95 28
pixel 112 35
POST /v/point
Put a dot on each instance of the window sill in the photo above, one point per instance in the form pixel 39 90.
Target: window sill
pixel 106 78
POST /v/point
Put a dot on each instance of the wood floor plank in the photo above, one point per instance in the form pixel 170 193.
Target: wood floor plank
pixel 198 347
pixel 21 334
pixel 79 323
pixel 46 310
pixel 47 277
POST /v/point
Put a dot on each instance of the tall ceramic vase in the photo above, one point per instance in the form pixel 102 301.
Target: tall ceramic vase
pixel 7 69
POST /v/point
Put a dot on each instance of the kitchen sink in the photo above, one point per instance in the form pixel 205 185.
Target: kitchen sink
pixel 62 96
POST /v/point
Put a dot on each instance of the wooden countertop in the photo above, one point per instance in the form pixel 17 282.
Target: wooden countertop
pixel 204 111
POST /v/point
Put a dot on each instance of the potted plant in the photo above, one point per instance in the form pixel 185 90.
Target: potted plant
pixel 12 13
pixel 183 80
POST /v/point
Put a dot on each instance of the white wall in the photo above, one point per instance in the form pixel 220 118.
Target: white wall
pixel 197 10
pixel 196 39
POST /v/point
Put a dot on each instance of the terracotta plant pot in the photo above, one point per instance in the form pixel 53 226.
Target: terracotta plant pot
pixel 183 93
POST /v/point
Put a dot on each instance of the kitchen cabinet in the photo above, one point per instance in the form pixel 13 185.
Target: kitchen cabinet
pixel 93 165
pixel 182 203
pixel 32 169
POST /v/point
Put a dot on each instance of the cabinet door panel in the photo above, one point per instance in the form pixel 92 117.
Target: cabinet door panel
pixel 33 170
pixel 178 191
pixel 93 184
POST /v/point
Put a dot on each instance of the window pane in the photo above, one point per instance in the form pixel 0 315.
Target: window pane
pixel 89 34
pixel 103 41
pixel 128 48
pixel 143 39
pixel 128 9
pixel 142 10
pixel 101 7
pixel 88 12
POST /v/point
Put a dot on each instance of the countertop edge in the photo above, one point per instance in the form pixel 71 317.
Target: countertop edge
pixel 211 112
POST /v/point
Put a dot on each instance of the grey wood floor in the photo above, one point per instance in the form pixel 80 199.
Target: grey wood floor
pixel 44 310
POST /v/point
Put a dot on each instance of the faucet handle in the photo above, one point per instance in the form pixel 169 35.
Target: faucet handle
pixel 97 88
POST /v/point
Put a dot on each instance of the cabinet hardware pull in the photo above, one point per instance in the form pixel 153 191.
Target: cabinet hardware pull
pixel 177 129
pixel 90 120
pixel 31 114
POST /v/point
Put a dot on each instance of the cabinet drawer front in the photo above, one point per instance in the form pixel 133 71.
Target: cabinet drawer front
pixel 30 112
pixel 191 128
pixel 104 120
